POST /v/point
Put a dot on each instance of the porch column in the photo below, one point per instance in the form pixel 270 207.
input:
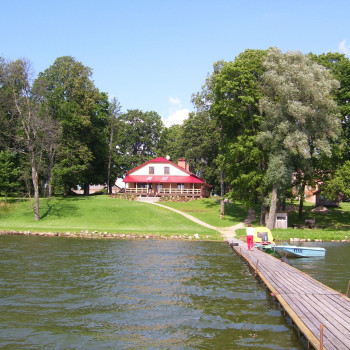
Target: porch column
pixel 201 191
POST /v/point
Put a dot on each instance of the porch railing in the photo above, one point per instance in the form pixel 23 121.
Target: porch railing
pixel 164 191
pixel 189 191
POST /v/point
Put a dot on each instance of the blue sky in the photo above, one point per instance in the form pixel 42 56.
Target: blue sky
pixel 153 54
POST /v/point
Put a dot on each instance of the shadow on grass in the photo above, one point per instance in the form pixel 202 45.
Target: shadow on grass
pixel 335 218
pixel 59 207
pixel 55 210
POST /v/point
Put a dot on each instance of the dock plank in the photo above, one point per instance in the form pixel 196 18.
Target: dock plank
pixel 308 302
pixel 312 322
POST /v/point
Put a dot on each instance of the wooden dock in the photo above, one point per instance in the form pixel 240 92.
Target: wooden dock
pixel 312 307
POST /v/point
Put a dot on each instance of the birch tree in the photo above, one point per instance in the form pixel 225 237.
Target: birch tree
pixel 28 127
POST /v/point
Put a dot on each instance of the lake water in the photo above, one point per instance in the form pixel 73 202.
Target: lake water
pixel 63 293
pixel 333 269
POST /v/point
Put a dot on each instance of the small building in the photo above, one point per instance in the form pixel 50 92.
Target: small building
pixel 281 219
pixel 161 177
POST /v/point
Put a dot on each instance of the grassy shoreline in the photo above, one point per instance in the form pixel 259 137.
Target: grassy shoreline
pixel 333 225
pixel 104 216
pixel 99 215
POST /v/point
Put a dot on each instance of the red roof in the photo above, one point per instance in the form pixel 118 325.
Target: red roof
pixel 163 179
pixel 159 160
pixel 191 178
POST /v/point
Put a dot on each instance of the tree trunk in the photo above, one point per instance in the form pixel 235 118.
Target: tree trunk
pixel 273 205
pixel 86 189
pixel 109 185
pixel 222 189
pixel 49 191
pixel 263 209
pixel 301 200
pixel 262 214
pixel 35 179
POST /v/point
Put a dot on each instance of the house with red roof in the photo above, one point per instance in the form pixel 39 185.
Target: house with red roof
pixel 161 177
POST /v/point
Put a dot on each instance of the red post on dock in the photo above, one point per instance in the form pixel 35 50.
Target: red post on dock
pixel 321 336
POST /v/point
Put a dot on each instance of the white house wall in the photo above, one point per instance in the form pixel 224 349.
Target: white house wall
pixel 159 170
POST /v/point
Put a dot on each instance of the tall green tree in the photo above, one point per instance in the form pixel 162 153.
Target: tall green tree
pixel 138 138
pixel 339 65
pixel 203 101
pixel 28 126
pixel 201 141
pixel 301 118
pixel 172 142
pixel 237 110
pixel 82 112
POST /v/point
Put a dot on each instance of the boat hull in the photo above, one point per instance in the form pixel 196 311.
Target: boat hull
pixel 267 248
pixel 299 252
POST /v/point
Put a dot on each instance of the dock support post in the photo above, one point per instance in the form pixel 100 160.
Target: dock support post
pixel 347 291
pixel 321 336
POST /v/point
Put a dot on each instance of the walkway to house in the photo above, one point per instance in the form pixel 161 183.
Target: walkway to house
pixel 227 232
pixel 147 199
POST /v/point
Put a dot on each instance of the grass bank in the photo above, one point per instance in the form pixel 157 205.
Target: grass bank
pixel 99 213
pixel 331 225
pixel 117 215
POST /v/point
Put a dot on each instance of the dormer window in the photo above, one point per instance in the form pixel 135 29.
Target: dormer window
pixel 166 170
pixel 151 170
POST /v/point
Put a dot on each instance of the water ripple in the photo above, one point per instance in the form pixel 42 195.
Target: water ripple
pixel 128 294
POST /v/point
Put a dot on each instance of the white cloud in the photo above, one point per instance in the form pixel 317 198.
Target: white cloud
pixel 175 101
pixel 177 117
pixel 343 48
pixel 176 112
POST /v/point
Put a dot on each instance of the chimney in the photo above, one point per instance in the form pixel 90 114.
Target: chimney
pixel 182 163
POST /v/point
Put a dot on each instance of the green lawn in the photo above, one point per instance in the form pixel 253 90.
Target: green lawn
pixel 98 213
pixel 334 225
pixel 117 215
pixel 208 210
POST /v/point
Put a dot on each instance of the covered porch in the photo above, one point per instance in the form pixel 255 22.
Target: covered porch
pixel 165 189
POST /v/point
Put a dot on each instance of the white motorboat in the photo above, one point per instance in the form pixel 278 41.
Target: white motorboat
pixel 292 251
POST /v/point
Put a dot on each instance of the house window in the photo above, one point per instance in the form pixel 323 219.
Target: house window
pixel 180 186
pixel 166 170
pixel 151 170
